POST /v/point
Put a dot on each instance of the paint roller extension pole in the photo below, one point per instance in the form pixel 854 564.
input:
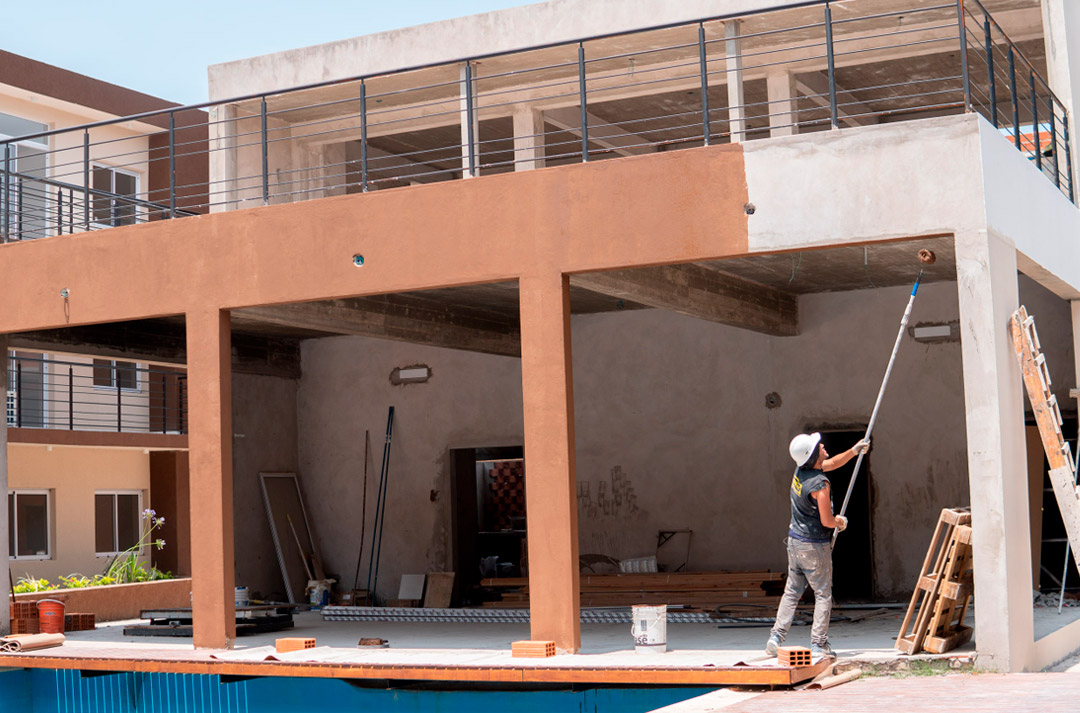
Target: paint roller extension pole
pixel 380 511
pixel 926 257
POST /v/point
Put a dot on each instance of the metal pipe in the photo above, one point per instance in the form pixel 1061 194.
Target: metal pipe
pixel 469 118
pixel 1068 153
pixel 990 71
pixel 1035 133
pixel 363 138
pixel 380 511
pixel 582 100
pixel 119 397
pixel 6 196
pixel 834 114
pixel 18 393
pixel 86 179
pixel 1053 147
pixel 704 60
pixel 71 398
pixel 961 22
pixel 1015 96
pixel 265 156
pixel 172 164
pixel 881 393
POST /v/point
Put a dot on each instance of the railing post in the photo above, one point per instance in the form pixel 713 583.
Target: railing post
pixel 19 208
pixel 1068 153
pixel 704 60
pixel 1015 97
pixel 990 71
pixel 119 398
pixel 363 137
pixel 1053 144
pixel 59 211
pixel 961 22
pixel 172 164
pixel 18 393
pixel 834 113
pixel 5 197
pixel 71 398
pixel 264 145
pixel 86 179
pixel 583 101
pixel 164 403
pixel 1036 135
pixel 470 113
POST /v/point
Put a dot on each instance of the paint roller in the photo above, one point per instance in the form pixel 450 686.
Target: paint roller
pixel 926 258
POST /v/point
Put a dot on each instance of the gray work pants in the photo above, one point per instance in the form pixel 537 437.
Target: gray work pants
pixel 808 563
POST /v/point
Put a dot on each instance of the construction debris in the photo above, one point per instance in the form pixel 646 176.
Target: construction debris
pixel 532 649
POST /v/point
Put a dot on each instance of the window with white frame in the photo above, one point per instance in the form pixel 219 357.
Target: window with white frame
pixel 29 532
pixel 112 374
pixel 112 210
pixel 117 515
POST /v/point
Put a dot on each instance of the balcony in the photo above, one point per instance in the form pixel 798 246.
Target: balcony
pixel 103 395
pixel 807 67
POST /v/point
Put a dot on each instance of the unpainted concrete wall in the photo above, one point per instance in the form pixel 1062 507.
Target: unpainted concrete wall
pixel 264 441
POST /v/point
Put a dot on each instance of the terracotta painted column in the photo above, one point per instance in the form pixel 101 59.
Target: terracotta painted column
pixel 211 478
pixel 551 479
pixel 996 446
pixel 5 612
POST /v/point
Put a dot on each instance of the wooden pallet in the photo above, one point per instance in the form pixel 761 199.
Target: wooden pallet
pixel 1044 407
pixel 935 616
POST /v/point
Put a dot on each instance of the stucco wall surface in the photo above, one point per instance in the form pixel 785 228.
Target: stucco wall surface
pixel 264 441
pixel 72 475
pixel 672 429
pixel 118 602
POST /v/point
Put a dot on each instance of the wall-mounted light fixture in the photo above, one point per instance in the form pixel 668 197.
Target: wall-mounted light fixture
pixel 416 374
pixel 931 333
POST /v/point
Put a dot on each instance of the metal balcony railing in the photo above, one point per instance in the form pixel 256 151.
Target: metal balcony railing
pixel 809 66
pixel 95 395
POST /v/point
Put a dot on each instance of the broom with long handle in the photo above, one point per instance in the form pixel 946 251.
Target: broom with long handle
pixel 926 257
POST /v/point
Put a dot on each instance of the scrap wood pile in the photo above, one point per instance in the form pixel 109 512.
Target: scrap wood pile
pixel 699 590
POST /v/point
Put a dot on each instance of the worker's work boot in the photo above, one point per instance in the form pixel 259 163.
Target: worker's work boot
pixel 822 650
pixel 772 644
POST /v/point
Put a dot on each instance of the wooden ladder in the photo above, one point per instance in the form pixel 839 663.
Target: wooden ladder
pixel 935 617
pixel 1048 418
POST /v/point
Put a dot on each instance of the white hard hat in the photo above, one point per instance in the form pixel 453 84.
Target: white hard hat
pixel 803 447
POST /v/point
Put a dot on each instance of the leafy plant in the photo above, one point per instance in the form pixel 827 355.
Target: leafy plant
pixel 127 566
pixel 30 584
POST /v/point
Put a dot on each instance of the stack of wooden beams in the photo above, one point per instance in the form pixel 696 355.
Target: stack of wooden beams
pixel 700 590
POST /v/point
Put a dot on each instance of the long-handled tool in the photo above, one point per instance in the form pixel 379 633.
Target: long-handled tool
pixel 926 257
pixel 380 511
pixel 363 511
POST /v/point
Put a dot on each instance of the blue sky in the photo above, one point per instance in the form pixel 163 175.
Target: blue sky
pixel 164 48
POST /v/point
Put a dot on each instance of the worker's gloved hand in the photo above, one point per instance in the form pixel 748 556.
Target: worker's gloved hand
pixel 841 523
pixel 861 447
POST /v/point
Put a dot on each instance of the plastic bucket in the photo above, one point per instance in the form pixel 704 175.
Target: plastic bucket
pixel 650 629
pixel 51 614
pixel 242 599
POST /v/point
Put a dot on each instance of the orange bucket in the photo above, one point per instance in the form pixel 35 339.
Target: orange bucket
pixel 51 614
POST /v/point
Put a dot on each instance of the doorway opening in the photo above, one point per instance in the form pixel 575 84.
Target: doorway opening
pixel 853 556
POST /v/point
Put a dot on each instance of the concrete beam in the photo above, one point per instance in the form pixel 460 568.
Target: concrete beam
pixel 403 168
pixel 701 292
pixel 849 109
pixel 601 132
pixel 398 318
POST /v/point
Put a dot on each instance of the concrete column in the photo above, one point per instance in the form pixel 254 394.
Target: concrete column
pixel 993 397
pixel 528 138
pixel 551 478
pixel 783 107
pixel 211 478
pixel 5 612
pixel 222 158
pixel 465 172
pixel 735 93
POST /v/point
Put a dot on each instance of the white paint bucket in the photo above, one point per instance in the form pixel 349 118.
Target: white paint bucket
pixel 242 599
pixel 650 629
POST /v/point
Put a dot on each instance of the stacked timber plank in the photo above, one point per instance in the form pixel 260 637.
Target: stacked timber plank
pixel 935 616
pixel 702 590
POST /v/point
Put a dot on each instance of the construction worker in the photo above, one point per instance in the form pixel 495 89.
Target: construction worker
pixel 809 540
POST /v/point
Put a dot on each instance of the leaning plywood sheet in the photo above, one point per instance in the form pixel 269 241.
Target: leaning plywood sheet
pixel 288 527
